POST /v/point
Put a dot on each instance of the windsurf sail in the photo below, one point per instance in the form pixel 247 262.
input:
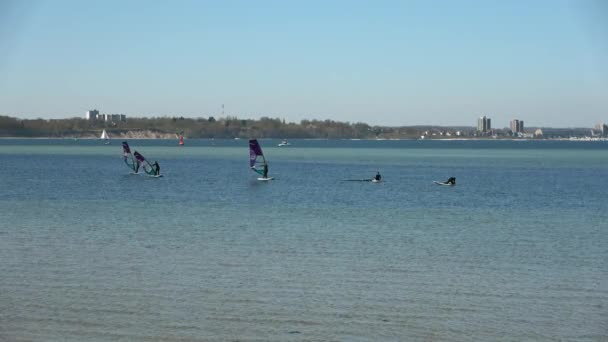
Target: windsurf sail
pixel 181 140
pixel 104 135
pixel 257 161
pixel 148 168
pixel 131 162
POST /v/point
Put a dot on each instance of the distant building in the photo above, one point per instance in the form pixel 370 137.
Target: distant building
pixel 484 124
pixel 112 117
pixel 517 126
pixel 603 128
pixel 92 114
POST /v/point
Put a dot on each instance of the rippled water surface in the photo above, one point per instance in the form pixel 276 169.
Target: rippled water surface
pixel 518 250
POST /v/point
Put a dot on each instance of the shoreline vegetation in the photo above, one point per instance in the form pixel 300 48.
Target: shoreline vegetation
pixel 264 128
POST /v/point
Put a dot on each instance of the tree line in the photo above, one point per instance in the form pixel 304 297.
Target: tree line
pixel 222 128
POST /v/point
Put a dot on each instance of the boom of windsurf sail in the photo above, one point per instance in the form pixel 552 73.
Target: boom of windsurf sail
pixel 131 162
pixel 256 157
pixel 147 167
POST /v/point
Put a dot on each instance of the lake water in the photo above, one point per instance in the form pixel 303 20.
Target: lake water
pixel 517 250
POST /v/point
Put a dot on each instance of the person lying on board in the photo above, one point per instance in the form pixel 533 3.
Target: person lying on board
pixel 451 180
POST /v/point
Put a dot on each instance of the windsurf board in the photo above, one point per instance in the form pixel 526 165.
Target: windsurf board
pixel 442 183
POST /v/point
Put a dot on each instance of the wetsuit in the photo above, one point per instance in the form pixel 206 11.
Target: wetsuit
pixel 265 171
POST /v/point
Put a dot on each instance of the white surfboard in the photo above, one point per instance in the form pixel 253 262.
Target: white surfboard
pixel 265 179
pixel 376 180
pixel 442 183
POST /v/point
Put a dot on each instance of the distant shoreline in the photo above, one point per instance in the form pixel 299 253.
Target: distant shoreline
pixel 319 139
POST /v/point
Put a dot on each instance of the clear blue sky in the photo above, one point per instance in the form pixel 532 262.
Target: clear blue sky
pixel 381 62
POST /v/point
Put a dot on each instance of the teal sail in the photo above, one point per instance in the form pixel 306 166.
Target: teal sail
pixel 128 157
pixel 257 161
pixel 148 168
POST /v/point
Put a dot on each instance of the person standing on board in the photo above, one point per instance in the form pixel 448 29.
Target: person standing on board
pixel 265 171
pixel 156 168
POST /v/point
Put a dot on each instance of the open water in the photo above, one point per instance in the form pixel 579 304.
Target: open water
pixel 517 250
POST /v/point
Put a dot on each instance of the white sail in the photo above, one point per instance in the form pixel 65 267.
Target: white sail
pixel 104 135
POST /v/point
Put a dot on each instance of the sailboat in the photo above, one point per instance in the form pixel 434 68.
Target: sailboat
pixel 181 140
pixel 257 161
pixel 105 136
pixel 128 158
pixel 148 168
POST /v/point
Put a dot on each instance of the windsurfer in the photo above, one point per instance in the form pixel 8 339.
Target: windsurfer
pixel 156 168
pixel 265 171
pixel 451 180
pixel 377 177
pixel 136 166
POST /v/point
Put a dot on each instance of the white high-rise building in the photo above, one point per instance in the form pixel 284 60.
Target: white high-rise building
pixel 603 128
pixel 92 114
pixel 484 124
pixel 517 126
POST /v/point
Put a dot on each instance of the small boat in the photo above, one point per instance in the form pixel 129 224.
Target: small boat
pixel 105 136
pixel 284 143
pixel 257 161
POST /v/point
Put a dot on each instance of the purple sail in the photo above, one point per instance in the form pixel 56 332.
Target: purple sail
pixel 128 158
pixel 139 157
pixel 125 148
pixel 255 151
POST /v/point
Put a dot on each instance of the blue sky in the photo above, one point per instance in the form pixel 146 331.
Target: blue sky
pixel 381 62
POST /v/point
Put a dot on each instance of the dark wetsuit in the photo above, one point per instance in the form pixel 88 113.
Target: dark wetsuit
pixel 452 181
pixel 136 165
pixel 265 171
pixel 378 177
pixel 156 168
